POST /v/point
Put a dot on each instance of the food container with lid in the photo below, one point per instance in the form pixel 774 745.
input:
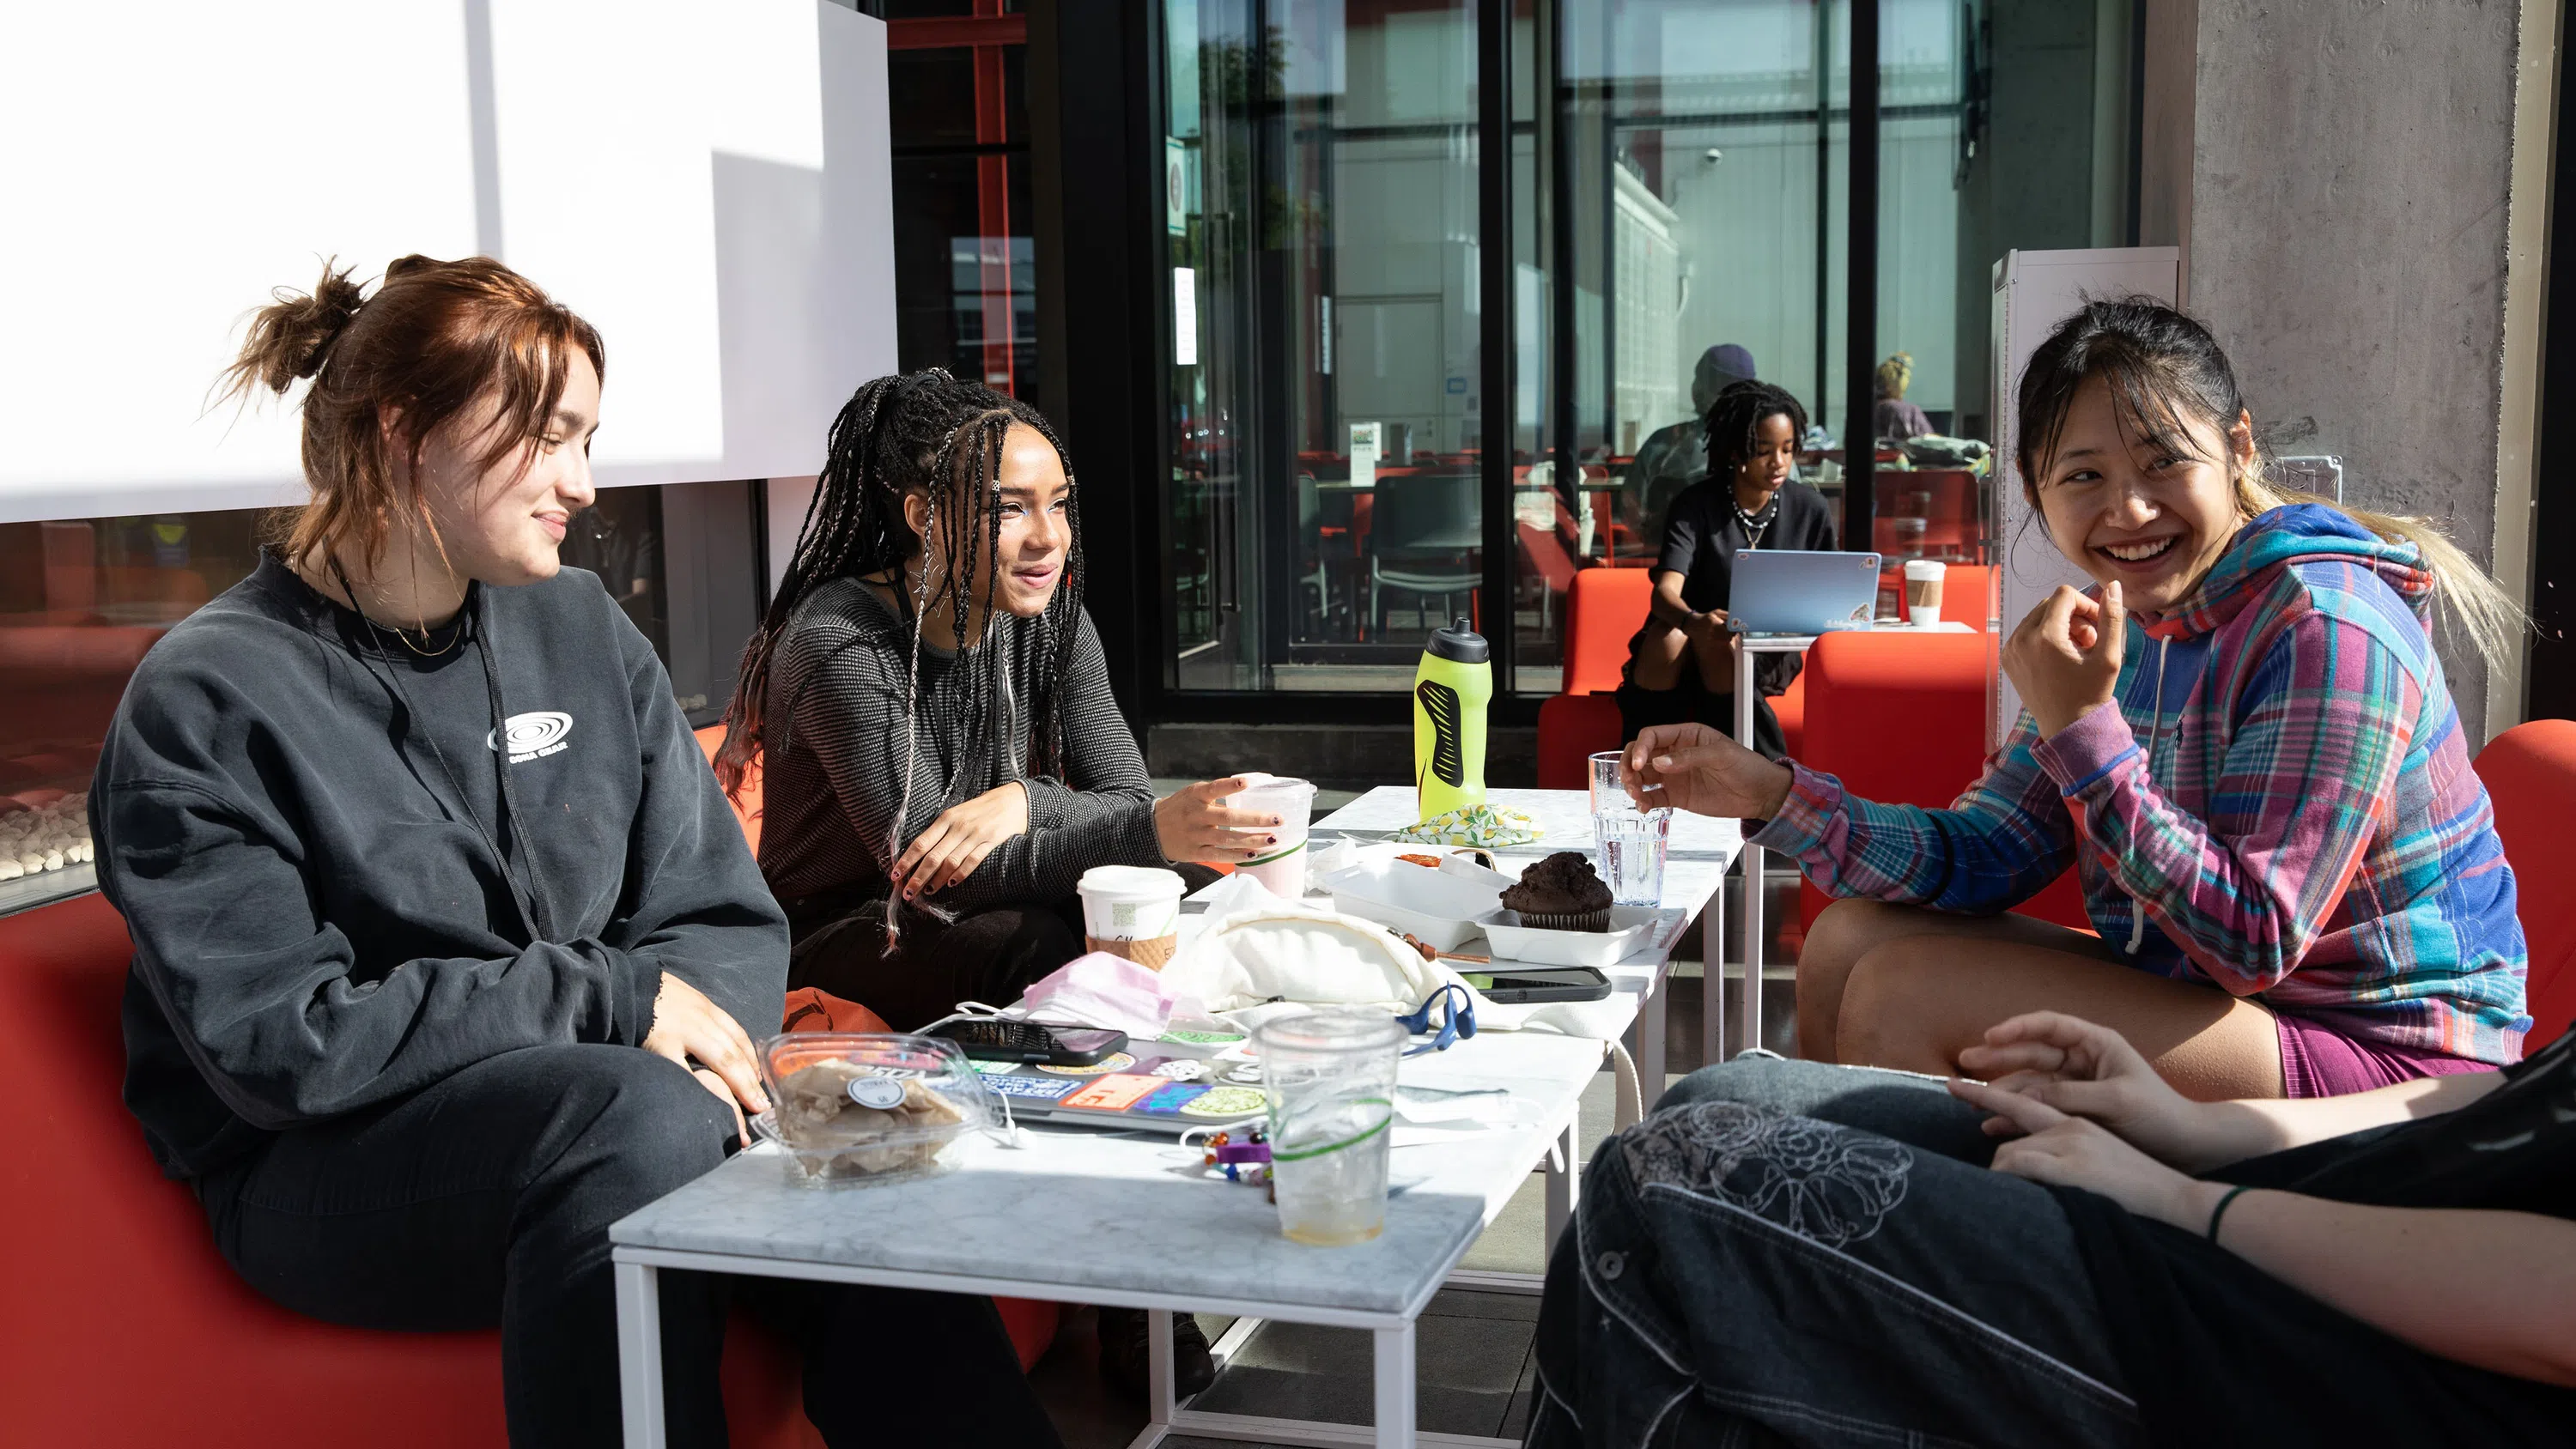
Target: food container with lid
pixel 867 1107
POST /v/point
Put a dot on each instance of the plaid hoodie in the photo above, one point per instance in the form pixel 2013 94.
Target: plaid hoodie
pixel 2278 801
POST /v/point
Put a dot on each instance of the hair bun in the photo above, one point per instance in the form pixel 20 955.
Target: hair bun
pixel 291 337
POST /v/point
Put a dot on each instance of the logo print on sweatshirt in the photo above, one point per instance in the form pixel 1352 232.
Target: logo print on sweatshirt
pixel 535 734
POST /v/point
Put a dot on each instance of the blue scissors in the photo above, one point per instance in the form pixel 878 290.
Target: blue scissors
pixel 1457 1019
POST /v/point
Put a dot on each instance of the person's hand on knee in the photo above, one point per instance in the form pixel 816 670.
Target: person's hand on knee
pixel 704 1037
pixel 2086 1070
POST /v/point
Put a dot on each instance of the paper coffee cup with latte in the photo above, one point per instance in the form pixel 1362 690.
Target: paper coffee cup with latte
pixel 1131 911
pixel 1923 579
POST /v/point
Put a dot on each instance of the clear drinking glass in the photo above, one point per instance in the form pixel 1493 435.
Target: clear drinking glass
pixel 1607 792
pixel 1630 845
pixel 1330 1077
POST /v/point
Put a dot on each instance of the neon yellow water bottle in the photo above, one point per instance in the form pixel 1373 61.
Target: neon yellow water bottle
pixel 1450 692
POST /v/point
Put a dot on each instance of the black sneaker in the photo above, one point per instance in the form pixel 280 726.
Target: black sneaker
pixel 1122 1354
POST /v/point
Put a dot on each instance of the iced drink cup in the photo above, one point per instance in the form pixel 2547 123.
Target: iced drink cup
pixel 1131 911
pixel 1923 578
pixel 1280 867
pixel 1330 1078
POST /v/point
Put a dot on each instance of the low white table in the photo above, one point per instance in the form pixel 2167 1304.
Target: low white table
pixel 1127 1220
pixel 1749 1008
pixel 1698 851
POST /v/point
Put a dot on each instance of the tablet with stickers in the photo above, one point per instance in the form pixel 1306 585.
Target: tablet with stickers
pixel 1157 1086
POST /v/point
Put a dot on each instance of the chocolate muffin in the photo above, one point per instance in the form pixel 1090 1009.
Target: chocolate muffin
pixel 1561 893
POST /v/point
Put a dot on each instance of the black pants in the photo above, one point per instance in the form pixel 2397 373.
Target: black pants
pixel 988 956
pixel 486 1199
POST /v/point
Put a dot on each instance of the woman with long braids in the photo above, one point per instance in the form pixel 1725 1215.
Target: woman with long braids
pixel 1681 665
pixel 942 756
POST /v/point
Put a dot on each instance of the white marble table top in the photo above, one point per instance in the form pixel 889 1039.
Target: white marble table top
pixel 1074 1210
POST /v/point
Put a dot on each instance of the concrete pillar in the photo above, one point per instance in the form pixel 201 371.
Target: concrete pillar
pixel 2345 225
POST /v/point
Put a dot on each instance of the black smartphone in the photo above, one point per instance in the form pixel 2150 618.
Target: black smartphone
pixel 1522 985
pixel 996 1039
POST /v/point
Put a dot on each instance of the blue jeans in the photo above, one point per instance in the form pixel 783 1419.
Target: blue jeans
pixel 1787 1252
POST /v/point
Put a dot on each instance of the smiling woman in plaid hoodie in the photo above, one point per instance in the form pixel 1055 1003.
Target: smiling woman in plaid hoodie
pixel 2241 738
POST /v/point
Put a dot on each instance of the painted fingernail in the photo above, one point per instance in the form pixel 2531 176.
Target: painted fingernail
pixel 1270 840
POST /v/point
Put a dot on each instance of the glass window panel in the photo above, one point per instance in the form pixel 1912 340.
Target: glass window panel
pixel 1323 508
pixel 966 296
pixel 81 600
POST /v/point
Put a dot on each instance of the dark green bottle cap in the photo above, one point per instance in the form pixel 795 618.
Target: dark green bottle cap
pixel 1460 643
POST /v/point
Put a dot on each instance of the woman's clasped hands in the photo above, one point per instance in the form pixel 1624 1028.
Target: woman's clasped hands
pixel 2084 1109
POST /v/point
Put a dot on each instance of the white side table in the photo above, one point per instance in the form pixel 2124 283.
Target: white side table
pixel 1749 1011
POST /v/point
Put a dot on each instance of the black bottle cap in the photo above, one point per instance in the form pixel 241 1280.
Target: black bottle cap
pixel 1460 643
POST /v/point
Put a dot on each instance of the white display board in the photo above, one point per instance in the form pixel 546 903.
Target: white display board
pixel 709 185
pixel 2035 291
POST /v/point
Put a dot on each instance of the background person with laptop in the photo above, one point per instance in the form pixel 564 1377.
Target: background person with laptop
pixel 1681 665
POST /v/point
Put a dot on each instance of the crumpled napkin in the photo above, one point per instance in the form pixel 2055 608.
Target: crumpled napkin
pixel 1491 826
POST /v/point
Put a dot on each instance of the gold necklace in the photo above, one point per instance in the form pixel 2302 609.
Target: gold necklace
pixel 373 627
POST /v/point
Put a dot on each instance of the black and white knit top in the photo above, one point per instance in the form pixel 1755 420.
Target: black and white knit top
pixel 834 776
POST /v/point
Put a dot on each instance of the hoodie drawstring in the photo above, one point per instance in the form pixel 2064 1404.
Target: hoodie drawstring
pixel 2155 728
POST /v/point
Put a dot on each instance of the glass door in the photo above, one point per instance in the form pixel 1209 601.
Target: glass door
pixel 1322 512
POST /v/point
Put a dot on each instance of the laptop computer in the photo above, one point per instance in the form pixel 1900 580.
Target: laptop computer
pixel 1802 591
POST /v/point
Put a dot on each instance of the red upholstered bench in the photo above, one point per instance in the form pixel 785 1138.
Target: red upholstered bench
pixel 112 1264
pixel 112 1267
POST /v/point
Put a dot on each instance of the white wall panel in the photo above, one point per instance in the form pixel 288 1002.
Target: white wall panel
pixel 709 184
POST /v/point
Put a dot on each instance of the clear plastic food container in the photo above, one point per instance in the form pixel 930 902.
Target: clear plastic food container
pixel 853 1107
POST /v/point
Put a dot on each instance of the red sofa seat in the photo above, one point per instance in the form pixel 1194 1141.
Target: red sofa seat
pixel 115 1263
pixel 2530 772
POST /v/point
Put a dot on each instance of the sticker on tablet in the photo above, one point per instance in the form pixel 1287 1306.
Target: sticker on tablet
pixel 1173 1098
pixel 1114 1062
pixel 1113 1092
pixel 1204 1038
pixel 991 1068
pixel 1228 1102
pixel 1042 1089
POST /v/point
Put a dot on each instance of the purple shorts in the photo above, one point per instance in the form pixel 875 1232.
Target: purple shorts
pixel 2318 1061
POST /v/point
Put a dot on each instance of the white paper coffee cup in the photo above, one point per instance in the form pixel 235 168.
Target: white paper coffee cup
pixel 1281 865
pixel 1132 911
pixel 1923 580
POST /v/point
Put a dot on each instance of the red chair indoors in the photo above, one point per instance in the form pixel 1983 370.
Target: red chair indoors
pixel 2530 772
pixel 113 1263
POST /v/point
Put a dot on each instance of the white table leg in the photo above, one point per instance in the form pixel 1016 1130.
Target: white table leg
pixel 1564 1180
pixel 1650 1030
pixel 1395 1412
pixel 639 1354
pixel 1158 1366
pixel 1749 1024
pixel 1712 982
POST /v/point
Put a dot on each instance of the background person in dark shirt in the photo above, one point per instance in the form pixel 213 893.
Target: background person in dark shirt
pixel 1681 665
pixel 1676 456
